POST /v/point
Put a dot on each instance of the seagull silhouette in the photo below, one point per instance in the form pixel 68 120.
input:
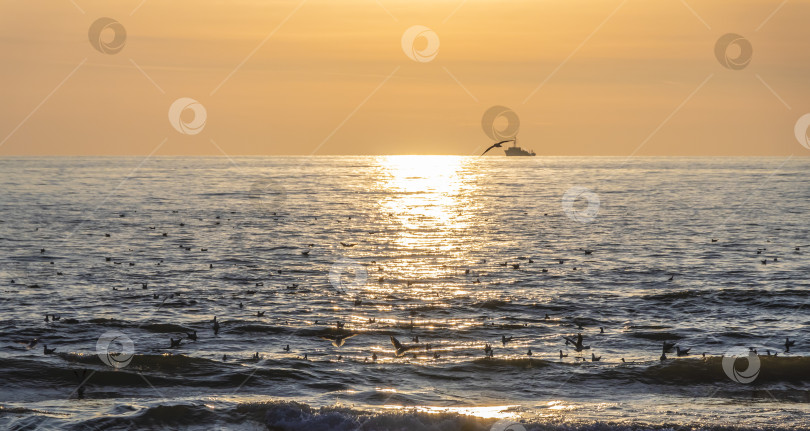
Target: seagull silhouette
pixel 401 349
pixel 577 343
pixel 337 340
pixel 216 326
pixel 497 145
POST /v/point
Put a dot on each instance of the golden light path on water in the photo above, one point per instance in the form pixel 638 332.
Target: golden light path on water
pixel 429 203
pixel 485 412
pixel 427 196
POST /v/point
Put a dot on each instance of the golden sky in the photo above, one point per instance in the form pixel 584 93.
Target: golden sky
pixel 612 77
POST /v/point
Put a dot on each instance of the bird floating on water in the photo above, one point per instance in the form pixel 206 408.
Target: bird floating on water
pixel 216 326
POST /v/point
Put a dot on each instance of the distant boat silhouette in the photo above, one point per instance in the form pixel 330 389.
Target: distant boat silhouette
pixel 514 150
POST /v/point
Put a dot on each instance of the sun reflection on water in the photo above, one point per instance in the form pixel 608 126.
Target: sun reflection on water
pixel 484 412
pixel 428 197
pixel 430 207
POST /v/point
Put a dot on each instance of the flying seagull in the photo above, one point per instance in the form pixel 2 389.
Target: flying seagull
pixel 401 349
pixel 682 352
pixel 338 340
pixel 496 145
pixel 577 343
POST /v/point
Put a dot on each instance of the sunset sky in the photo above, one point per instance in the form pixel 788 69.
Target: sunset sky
pixel 612 77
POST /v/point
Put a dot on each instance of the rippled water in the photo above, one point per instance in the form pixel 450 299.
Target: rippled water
pixel 457 251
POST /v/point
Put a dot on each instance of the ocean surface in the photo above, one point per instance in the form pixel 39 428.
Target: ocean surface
pixel 712 254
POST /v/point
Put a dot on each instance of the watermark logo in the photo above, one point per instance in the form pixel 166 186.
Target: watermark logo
pixel 115 349
pixel 801 130
pixel 179 107
pixel 746 376
pixel 427 47
pixel 348 275
pixel 507 425
pixel 113 46
pixel 494 117
pixel 725 47
pixel 580 214
pixel 270 195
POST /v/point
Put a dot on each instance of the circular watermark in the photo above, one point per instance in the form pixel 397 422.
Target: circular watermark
pixel 348 276
pixel 749 374
pixel 270 195
pixel 582 215
pixel 113 46
pixel 507 425
pixel 176 116
pixel 801 130
pixel 115 349
pixel 422 54
pixel 729 60
pixel 493 116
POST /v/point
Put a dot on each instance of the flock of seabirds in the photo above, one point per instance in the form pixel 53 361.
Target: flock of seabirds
pixel 400 349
